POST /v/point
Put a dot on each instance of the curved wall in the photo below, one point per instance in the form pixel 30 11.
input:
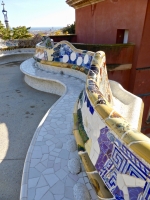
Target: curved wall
pixel 16 55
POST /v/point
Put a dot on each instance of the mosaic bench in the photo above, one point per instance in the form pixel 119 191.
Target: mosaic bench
pixel 114 154
pixel 64 58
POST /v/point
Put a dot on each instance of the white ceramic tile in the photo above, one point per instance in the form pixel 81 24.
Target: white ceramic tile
pixel 48 171
pixel 32 182
pixel 48 196
pixel 49 142
pixel 58 188
pixel 45 149
pixel 69 193
pixel 40 167
pixel 40 192
pixel 51 179
pixel 44 157
pixel 39 138
pixel 42 182
pixel 61 174
pixel 58 197
pixel 34 173
pixel 120 181
pixel 37 154
pixel 139 182
pixel 125 190
pixel 129 180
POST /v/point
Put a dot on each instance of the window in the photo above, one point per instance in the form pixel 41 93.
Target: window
pixel 122 36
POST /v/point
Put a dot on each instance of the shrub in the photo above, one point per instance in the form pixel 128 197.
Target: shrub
pixel 70 29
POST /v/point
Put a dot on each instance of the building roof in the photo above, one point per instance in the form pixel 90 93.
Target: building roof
pixel 81 3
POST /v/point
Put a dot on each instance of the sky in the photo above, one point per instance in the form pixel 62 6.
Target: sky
pixel 38 13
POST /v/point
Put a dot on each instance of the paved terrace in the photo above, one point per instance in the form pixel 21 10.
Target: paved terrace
pixel 21 110
pixel 52 160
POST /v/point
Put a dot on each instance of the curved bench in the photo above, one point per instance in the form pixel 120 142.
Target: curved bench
pixel 7 56
pixel 114 154
pixel 47 161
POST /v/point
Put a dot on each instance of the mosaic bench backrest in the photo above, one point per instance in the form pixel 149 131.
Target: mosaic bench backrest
pixel 65 52
pixel 120 154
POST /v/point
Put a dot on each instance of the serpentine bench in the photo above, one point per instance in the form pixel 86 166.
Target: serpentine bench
pixel 107 121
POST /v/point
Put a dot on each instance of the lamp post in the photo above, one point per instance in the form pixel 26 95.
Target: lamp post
pixel 5 15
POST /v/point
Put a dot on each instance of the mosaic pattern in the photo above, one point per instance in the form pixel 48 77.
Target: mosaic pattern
pixel 64 52
pixel 88 103
pixel 95 63
pixel 115 158
pixel 125 175
pixel 97 80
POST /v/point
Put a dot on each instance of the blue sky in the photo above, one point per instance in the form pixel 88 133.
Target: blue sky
pixel 38 13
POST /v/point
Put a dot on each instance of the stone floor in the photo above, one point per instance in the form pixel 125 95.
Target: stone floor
pixel 52 162
pixel 21 110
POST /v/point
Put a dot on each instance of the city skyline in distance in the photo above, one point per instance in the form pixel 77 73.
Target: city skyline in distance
pixel 47 13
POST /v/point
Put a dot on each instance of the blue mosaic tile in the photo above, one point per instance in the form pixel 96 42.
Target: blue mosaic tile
pixel 91 110
pixel 64 49
pixel 146 192
pixel 134 193
pixel 113 160
pixel 118 194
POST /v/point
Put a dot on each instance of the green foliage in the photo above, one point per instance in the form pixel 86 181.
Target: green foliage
pixel 82 132
pixel 20 32
pixel 69 29
pixel 1 29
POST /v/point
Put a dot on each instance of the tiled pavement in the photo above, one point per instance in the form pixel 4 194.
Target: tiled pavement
pixel 46 175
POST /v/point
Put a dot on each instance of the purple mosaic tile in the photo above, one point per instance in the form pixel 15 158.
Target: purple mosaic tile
pixel 134 193
pixel 113 159
pixel 118 194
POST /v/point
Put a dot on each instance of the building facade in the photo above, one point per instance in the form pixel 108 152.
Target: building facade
pixel 118 22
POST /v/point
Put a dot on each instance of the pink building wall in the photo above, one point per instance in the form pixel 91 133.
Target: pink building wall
pixel 98 24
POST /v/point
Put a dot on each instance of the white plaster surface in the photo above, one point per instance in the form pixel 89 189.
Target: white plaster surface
pixel 69 72
pixel 46 174
pixel 126 104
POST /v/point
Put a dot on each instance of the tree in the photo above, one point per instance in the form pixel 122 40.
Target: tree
pixel 69 28
pixel 20 32
pixel 1 29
